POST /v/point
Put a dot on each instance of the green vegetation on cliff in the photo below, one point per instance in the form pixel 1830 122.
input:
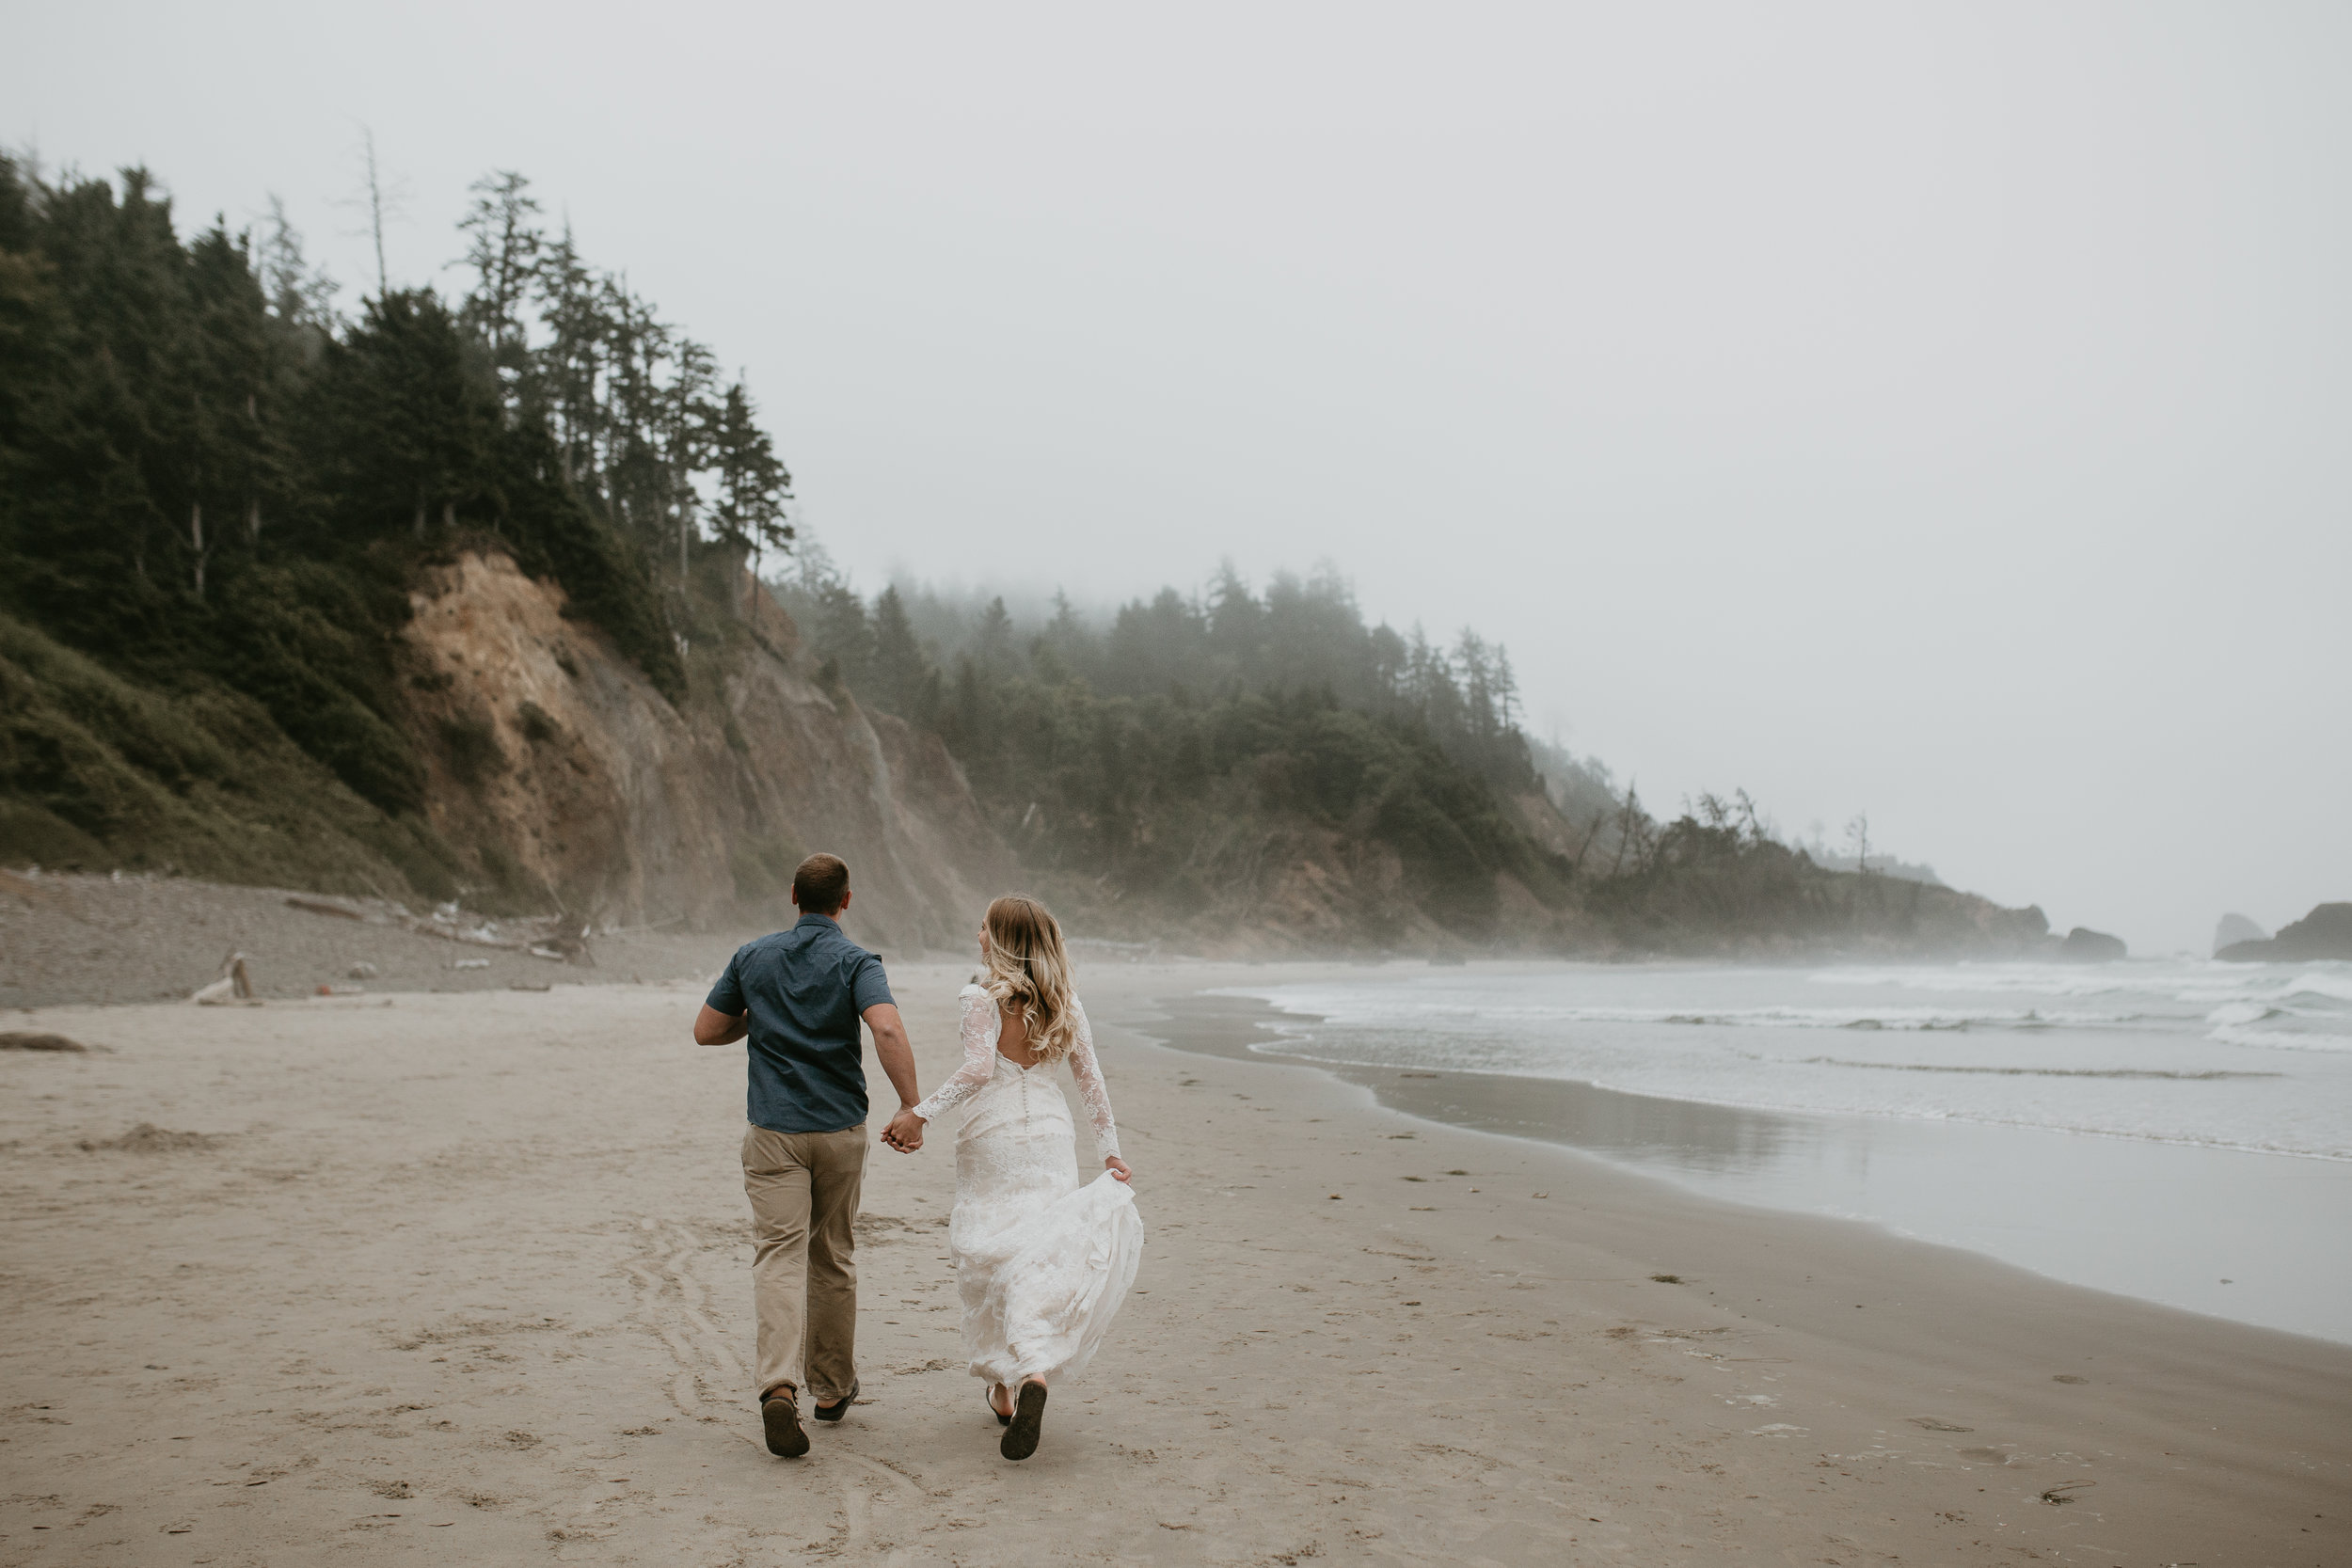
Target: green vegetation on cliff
pixel 1243 761
pixel 218 495
pixel 1186 759
pixel 214 495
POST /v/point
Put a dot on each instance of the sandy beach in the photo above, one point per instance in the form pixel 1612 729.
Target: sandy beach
pixel 464 1277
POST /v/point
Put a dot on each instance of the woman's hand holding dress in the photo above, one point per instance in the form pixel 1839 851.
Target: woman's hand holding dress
pixel 1096 1094
pixel 1043 1259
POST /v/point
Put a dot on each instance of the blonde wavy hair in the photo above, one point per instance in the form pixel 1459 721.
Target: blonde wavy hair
pixel 1026 968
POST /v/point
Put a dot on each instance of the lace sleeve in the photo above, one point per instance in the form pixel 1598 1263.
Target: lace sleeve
pixel 1090 1086
pixel 979 1053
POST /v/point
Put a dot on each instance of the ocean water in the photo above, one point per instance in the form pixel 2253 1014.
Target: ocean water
pixel 2176 1130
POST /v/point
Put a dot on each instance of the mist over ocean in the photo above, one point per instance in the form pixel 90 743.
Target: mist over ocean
pixel 2176 1130
pixel 2250 1056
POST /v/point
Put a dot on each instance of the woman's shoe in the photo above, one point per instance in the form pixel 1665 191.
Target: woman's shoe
pixel 835 1413
pixel 780 1416
pixel 987 1398
pixel 1021 1432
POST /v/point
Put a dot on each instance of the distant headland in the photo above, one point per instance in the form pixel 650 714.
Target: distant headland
pixel 2323 933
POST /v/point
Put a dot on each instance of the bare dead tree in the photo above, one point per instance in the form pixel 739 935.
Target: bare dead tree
pixel 379 203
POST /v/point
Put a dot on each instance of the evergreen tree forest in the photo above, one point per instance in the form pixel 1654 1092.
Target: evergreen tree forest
pixel 1163 762
pixel 216 489
pixel 1178 748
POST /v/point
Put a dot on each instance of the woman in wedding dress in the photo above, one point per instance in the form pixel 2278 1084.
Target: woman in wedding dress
pixel 1041 1262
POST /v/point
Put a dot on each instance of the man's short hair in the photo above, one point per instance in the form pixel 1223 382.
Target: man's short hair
pixel 821 885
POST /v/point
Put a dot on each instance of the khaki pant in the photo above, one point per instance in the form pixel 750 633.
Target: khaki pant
pixel 804 1188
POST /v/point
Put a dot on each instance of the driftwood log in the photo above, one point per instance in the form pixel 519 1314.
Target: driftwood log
pixel 542 936
pixel 22 1040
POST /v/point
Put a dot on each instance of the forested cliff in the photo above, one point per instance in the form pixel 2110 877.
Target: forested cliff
pixel 1265 771
pixel 448 600
pixel 495 597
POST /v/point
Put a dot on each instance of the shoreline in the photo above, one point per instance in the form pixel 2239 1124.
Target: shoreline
pixel 2119 1234
pixel 70 938
pixel 466 1274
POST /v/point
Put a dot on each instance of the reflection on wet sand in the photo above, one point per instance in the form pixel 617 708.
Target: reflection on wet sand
pixel 1687 1134
pixel 2165 1221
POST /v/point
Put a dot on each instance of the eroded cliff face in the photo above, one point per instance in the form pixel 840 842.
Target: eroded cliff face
pixel 567 779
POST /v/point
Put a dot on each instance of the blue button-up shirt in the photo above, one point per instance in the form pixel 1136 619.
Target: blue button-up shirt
pixel 805 990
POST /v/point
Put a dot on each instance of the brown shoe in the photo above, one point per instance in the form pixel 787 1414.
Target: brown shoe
pixel 780 1414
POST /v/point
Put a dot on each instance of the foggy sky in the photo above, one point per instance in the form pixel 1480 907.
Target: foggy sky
pixel 1936 411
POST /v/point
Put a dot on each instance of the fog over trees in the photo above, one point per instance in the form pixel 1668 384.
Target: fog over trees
pixel 1128 741
pixel 1154 749
pixel 221 485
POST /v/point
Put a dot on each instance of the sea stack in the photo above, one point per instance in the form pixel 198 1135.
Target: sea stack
pixel 2234 929
pixel 2323 933
pixel 2084 945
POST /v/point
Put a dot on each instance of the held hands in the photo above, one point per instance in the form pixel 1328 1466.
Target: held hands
pixel 905 1132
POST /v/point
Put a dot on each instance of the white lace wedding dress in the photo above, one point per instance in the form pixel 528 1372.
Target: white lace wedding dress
pixel 1041 1262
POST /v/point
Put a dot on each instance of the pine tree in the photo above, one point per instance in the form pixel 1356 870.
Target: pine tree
pixel 899 666
pixel 240 454
pixel 1068 639
pixel 424 411
pixel 994 644
pixel 562 382
pixel 300 296
pixel 124 415
pixel 686 436
pixel 753 483
pixel 504 248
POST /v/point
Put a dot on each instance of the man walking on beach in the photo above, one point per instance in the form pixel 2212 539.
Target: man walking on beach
pixel 798 994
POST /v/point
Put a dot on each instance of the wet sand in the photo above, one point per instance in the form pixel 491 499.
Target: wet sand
pixel 464 1277
pixel 2252 1236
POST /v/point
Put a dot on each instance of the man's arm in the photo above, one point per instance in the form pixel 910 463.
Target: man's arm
pixel 713 1027
pixel 897 1055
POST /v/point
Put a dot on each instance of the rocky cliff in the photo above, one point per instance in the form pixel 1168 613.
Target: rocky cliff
pixel 557 772
pixel 554 778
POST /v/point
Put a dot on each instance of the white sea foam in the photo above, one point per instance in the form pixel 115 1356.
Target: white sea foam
pixel 2198 981
pixel 2036 980
pixel 2334 984
pixel 1522 1014
pixel 2282 1040
pixel 2114 1126
pixel 1806 1018
pixel 2243 1056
